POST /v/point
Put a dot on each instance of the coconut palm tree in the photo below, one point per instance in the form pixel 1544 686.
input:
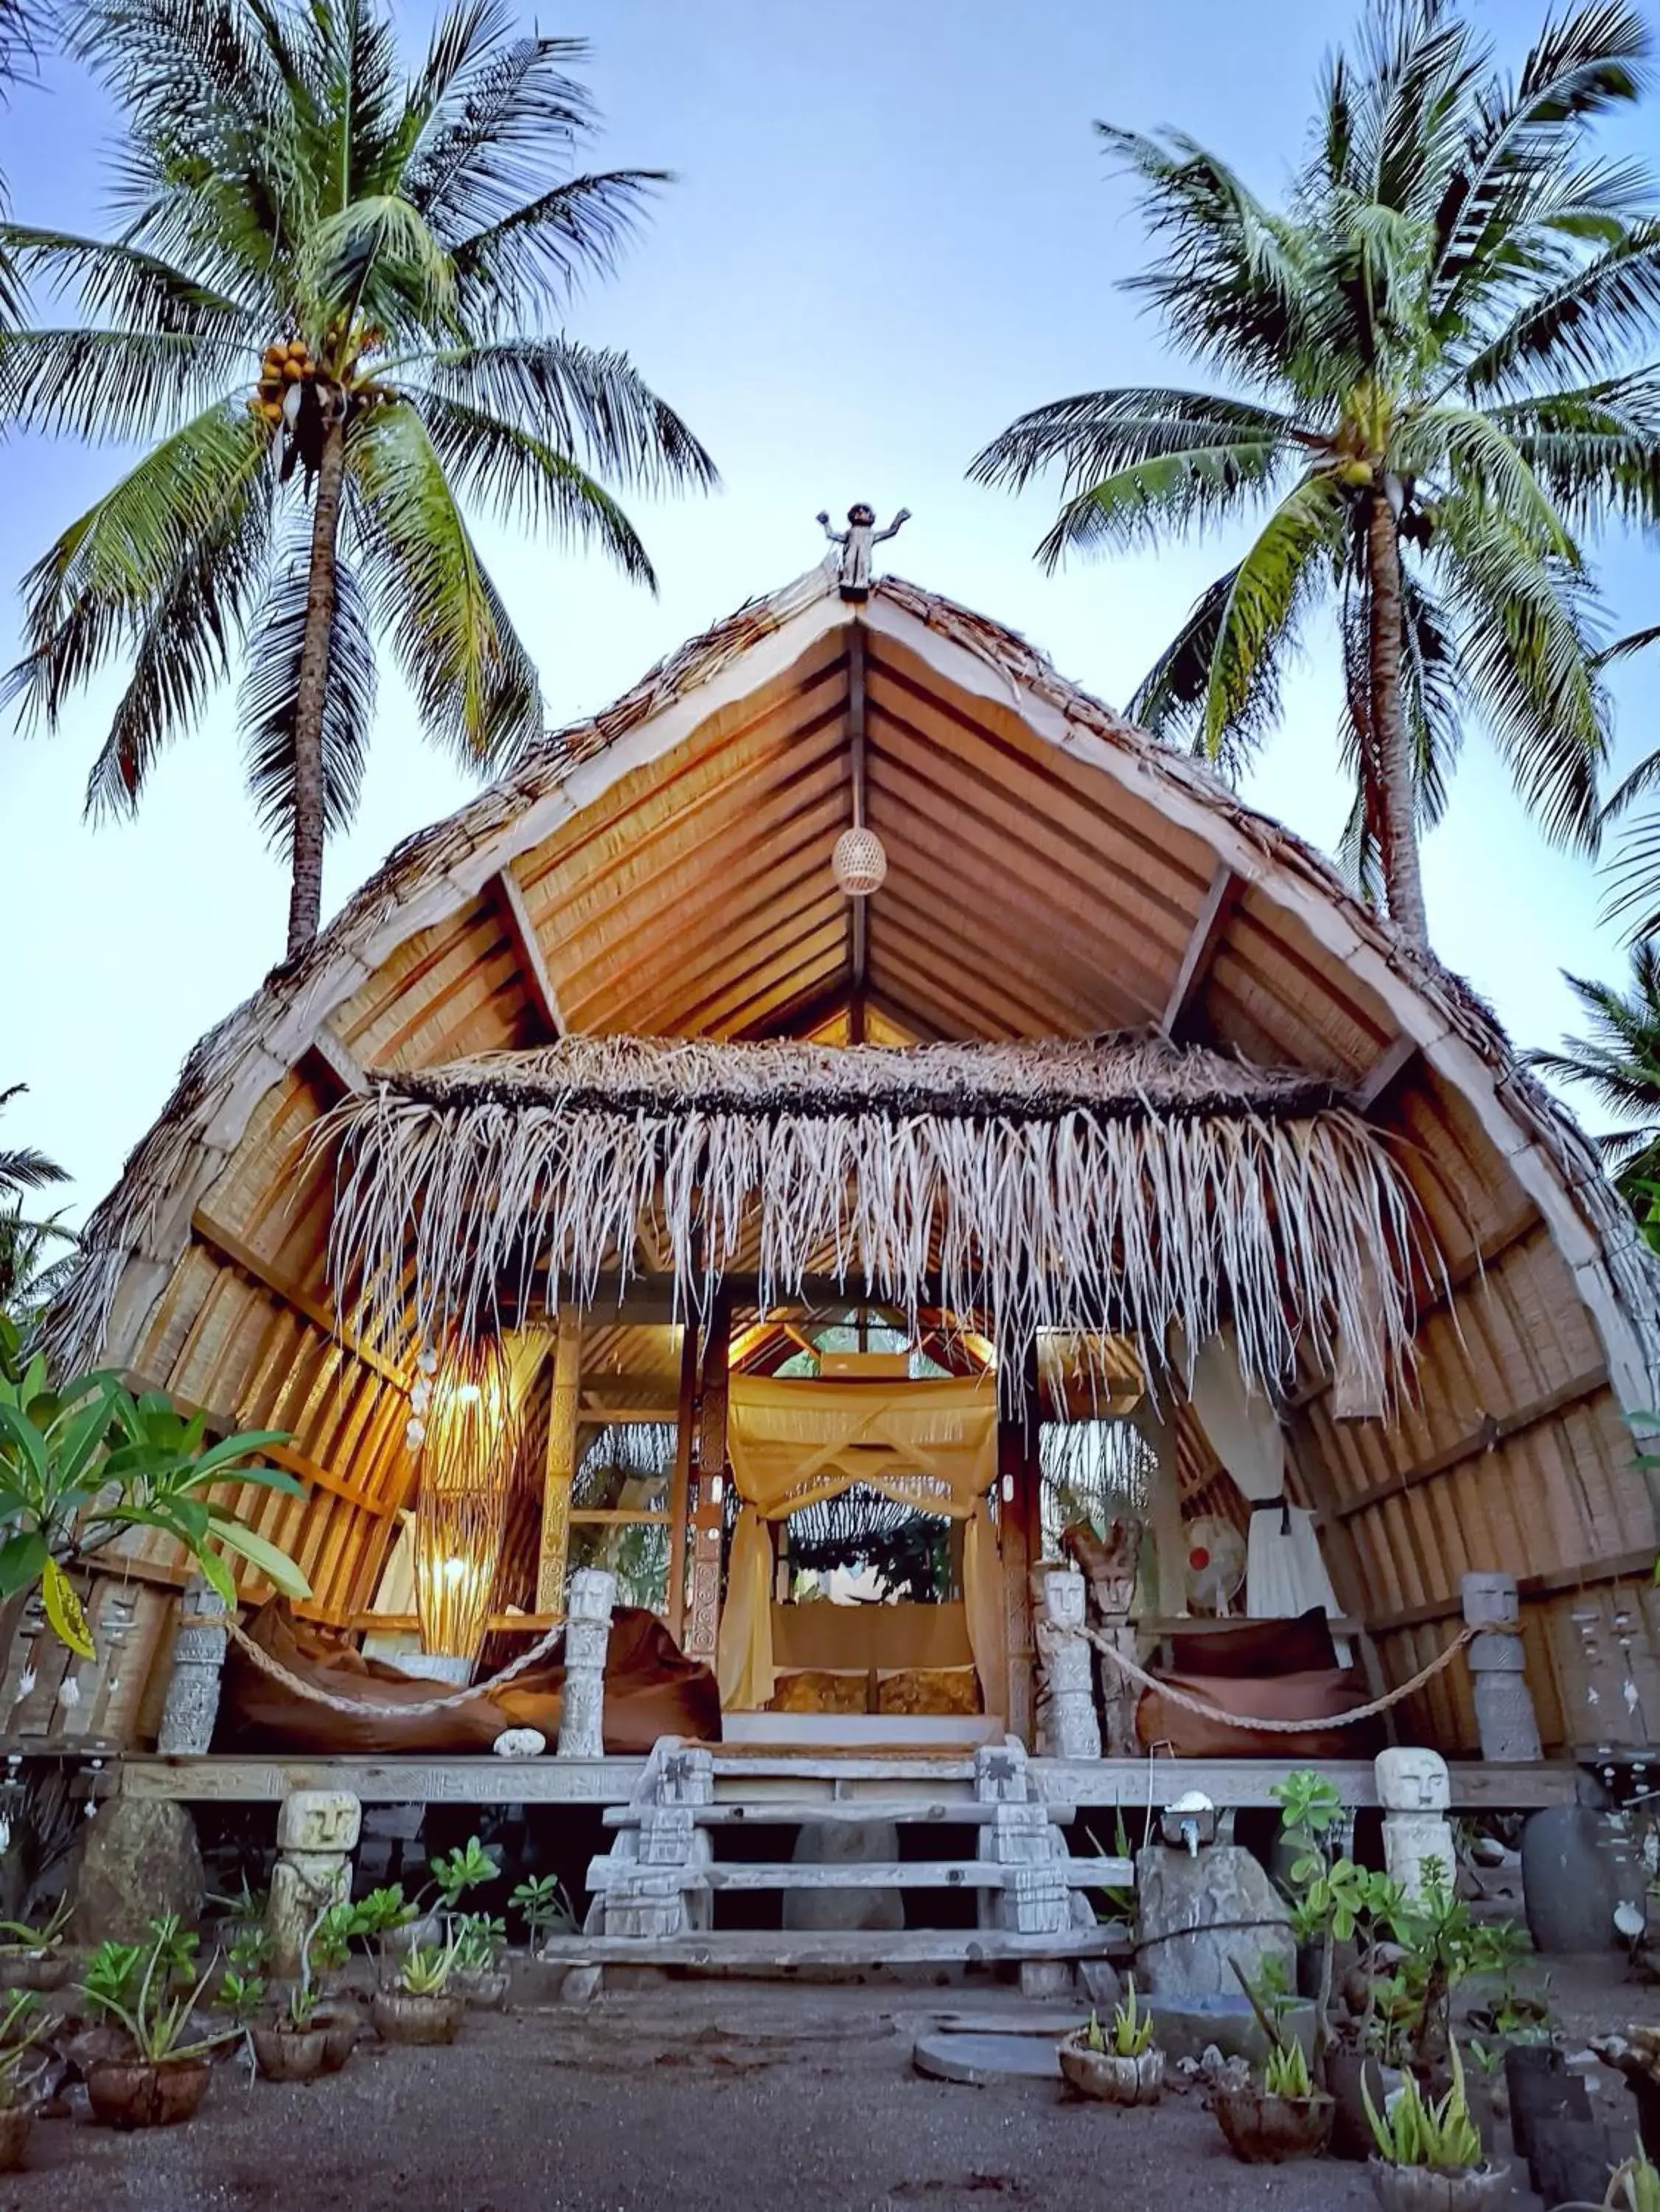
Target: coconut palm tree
pixel 1618 1061
pixel 22 1167
pixel 30 1269
pixel 321 314
pixel 1431 385
pixel 23 25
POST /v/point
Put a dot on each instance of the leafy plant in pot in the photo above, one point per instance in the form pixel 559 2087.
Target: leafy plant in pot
pixel 1429 2154
pixel 161 2077
pixel 33 1957
pixel 479 1975
pixel 292 2045
pixel 419 2007
pixel 336 2016
pixel 21 2024
pixel 1282 2114
pixel 1119 2065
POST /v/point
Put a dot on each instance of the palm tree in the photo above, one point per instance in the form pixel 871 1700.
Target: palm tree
pixel 319 314
pixel 22 24
pixel 1430 354
pixel 1619 1062
pixel 29 1273
pixel 22 1167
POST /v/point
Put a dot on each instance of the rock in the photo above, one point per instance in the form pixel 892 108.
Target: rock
pixel 980 2060
pixel 1102 1985
pixel 1190 2028
pixel 137 1860
pixel 1198 1913
pixel 519 1743
pixel 824 1842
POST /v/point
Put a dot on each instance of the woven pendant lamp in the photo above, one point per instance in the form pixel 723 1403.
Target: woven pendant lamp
pixel 859 862
pixel 464 1426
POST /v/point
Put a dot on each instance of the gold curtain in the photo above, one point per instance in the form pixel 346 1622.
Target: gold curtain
pixel 933 1445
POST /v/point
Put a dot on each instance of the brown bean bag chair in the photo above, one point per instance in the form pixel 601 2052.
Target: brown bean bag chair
pixel 1299 1645
pixel 652 1689
pixel 1314 1696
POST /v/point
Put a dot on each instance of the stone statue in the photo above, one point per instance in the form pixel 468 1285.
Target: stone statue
pixel 855 543
pixel 317 1831
pixel 1110 1562
pixel 1074 1731
pixel 1415 1790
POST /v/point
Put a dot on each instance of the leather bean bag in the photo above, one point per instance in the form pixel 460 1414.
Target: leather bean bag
pixel 652 1689
pixel 1301 1645
pixel 1314 1696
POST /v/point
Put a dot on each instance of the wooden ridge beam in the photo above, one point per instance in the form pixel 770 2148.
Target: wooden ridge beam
pixel 338 1062
pixel 1492 1433
pixel 229 1248
pixel 527 951
pixel 1388 1067
pixel 1209 926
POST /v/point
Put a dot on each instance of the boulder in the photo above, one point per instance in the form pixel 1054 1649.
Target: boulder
pixel 841 1842
pixel 1576 1867
pixel 1198 1913
pixel 137 1860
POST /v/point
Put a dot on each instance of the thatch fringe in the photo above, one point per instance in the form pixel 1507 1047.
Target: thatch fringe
pixel 1126 1188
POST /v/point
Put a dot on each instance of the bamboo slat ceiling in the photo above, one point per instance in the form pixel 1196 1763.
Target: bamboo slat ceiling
pixel 664 869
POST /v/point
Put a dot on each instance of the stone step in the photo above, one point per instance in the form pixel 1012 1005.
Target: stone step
pixel 760 1950
pixel 606 1872
pixel 802 1812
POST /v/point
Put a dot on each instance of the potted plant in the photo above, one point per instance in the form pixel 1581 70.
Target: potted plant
pixel 1429 2154
pixel 337 2017
pixel 419 2007
pixel 545 1906
pixel 1282 2114
pixel 1119 2065
pixel 20 2024
pixel 34 1958
pixel 479 1975
pixel 160 2075
pixel 291 2046
pixel 1635 2187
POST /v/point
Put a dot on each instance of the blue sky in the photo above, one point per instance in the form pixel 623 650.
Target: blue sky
pixel 892 232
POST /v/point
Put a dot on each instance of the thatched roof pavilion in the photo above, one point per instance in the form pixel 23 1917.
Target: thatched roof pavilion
pixel 664 872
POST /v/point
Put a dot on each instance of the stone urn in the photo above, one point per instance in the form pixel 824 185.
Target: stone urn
pixel 283 2052
pixel 484 1988
pixel 1265 2130
pixel 400 2017
pixel 16 2121
pixel 144 2092
pixel 340 2025
pixel 1108 2078
pixel 1429 2189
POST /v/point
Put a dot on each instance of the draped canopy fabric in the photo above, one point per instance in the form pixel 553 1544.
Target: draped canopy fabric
pixel 933 1445
pixel 1285 1574
pixel 1098 1185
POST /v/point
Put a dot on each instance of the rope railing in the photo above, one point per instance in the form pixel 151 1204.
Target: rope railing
pixel 1206 1710
pixel 302 1688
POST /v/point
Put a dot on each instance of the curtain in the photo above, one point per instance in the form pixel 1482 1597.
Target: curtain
pixel 933 1445
pixel 1284 1572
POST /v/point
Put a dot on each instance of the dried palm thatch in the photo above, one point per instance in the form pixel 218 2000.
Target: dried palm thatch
pixel 1125 1184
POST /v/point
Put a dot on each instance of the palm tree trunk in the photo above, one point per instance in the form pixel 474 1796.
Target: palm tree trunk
pixel 1397 829
pixel 306 892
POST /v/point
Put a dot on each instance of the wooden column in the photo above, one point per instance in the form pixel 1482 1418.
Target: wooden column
pixel 1019 1533
pixel 561 1464
pixel 680 1487
pixel 702 1626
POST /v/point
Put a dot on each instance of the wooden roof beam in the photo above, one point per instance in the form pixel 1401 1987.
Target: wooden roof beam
pixel 338 1064
pixel 1210 928
pixel 858 917
pixel 1388 1067
pixel 230 1249
pixel 527 951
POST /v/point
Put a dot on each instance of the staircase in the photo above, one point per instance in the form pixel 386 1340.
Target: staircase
pixel 655 1892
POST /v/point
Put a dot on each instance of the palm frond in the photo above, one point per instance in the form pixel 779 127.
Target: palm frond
pixel 1595 450
pixel 522 478
pixel 1285 568
pixel 497 117
pixel 1530 661
pixel 269 701
pixel 475 684
pixel 1587 324
pixel 590 404
pixel 538 254
pixel 115 386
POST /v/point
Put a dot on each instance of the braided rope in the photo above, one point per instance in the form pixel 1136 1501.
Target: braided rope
pixel 279 1672
pixel 1207 1711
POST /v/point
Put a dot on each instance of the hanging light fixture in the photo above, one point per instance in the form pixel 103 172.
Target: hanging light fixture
pixel 467 1436
pixel 859 861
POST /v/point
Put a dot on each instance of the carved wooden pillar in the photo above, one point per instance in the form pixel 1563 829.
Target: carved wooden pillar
pixel 561 1464
pixel 679 1486
pixel 703 1625
pixel 1019 1509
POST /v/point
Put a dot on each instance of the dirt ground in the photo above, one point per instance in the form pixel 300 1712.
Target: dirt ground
pixel 689 2096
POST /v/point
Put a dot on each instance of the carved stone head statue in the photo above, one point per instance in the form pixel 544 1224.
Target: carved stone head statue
pixel 1411 1780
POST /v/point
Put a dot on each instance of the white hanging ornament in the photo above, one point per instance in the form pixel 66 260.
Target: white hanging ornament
pixel 70 1694
pixel 415 1433
pixel 26 1682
